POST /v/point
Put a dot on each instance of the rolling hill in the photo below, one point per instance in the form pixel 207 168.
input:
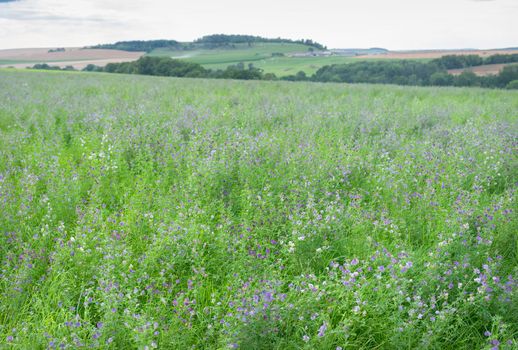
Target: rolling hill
pixel 281 57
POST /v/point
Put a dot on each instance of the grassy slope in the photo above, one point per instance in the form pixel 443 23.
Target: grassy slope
pixel 242 52
pixel 140 211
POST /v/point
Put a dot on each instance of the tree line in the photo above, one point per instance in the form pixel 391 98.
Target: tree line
pixel 218 40
pixel 400 72
pixel 168 67
pixel 465 61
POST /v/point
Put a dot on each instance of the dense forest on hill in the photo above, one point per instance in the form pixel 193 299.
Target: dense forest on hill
pixel 219 40
pixel 139 45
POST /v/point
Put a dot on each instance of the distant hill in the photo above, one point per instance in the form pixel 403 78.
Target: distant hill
pixel 360 52
pixel 214 41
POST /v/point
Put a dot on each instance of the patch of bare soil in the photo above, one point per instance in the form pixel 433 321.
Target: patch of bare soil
pixel 488 69
pixel 76 57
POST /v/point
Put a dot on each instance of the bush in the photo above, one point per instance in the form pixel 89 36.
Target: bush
pixel 508 74
pixel 512 85
pixel 466 78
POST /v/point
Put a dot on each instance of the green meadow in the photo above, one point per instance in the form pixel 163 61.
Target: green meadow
pixel 261 55
pixel 282 66
pixel 142 212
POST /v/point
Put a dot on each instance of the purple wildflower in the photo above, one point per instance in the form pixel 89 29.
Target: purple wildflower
pixel 322 329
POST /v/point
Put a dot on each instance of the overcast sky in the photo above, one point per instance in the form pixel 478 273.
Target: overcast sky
pixel 393 24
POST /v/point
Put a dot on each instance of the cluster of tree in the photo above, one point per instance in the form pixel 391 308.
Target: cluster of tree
pixel 168 67
pixel 219 40
pixel 45 66
pixel 464 61
pixel 500 58
pixel 59 49
pixel 404 72
pixel 140 45
pixel 238 71
pixel 149 65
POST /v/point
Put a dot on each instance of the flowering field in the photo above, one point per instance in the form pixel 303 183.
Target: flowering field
pixel 141 212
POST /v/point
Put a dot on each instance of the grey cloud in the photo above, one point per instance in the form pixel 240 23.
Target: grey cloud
pixel 36 16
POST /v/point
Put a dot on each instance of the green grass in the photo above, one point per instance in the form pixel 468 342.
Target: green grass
pixel 3 62
pixel 140 212
pixel 282 66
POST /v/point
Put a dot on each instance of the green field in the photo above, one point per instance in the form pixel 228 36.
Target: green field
pixel 227 56
pixel 2 62
pixel 260 55
pixel 282 66
pixel 142 212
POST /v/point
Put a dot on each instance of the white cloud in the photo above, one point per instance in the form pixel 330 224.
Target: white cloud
pixel 396 24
